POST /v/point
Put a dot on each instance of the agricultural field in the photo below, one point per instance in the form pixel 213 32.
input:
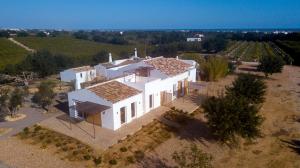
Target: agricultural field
pixel 292 48
pixel 70 46
pixel 10 53
pixel 252 51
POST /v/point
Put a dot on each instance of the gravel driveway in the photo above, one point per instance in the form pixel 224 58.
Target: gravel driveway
pixel 33 116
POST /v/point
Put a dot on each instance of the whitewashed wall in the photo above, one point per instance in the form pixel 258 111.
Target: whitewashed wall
pixel 127 103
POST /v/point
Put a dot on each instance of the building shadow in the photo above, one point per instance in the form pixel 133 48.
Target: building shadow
pixel 62 106
pixel 293 144
pixel 249 69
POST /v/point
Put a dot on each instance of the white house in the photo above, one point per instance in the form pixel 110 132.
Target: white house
pixel 134 87
pixel 196 38
pixel 78 75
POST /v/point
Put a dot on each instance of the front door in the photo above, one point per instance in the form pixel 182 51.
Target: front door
pixel 123 115
pixel 179 92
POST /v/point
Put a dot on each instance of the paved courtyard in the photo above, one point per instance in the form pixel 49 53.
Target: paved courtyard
pixel 104 138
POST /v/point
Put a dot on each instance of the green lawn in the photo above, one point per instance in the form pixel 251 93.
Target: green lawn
pixel 75 47
pixel 10 53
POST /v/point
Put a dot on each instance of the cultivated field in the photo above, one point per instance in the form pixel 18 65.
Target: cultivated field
pixel 10 53
pixel 252 51
pixel 75 47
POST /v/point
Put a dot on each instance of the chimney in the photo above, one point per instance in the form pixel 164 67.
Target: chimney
pixel 135 53
pixel 177 57
pixel 109 58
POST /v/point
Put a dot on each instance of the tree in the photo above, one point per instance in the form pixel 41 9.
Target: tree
pixel 100 57
pixel 41 34
pixel 214 68
pixel 16 100
pixel 45 94
pixel 4 97
pixel 249 87
pixel 231 116
pixel 271 64
pixel 192 157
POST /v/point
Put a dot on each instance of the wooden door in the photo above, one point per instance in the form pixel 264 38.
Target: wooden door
pixel 123 115
pixel 179 90
pixel 186 87
pixel 95 118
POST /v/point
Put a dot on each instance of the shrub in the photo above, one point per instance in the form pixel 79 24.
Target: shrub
pixel 26 130
pixel 41 137
pixel 123 149
pixel 139 155
pixel 270 65
pixel 192 157
pixel 130 159
pixel 87 157
pixel 37 128
pixel 58 144
pixel 113 162
pixel 75 153
pixel 97 160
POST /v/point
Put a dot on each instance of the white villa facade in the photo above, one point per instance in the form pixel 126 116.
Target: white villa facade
pixel 133 87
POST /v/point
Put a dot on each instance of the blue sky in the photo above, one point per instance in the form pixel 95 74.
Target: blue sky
pixel 149 14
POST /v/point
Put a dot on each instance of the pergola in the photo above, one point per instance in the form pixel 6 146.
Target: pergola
pixel 90 110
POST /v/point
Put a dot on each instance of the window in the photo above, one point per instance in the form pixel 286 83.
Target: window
pixel 81 75
pixel 123 114
pixel 151 101
pixel 133 109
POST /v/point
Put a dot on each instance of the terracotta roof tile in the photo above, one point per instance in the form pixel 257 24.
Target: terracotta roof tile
pixel 114 91
pixel 168 66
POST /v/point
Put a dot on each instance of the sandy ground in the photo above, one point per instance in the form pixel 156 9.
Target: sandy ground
pixel 15 153
pixel 281 112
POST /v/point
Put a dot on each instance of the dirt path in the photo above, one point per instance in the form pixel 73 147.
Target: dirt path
pixel 21 45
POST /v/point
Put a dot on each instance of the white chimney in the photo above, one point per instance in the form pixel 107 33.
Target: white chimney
pixel 177 57
pixel 135 53
pixel 109 58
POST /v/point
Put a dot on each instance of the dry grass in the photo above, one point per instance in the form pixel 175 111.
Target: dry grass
pixel 67 147
pixel 133 148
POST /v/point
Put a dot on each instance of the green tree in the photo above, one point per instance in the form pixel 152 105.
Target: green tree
pixel 270 65
pixel 192 157
pixel 100 57
pixel 16 100
pixel 45 94
pixel 248 86
pixel 230 116
pixel 4 97
pixel 214 68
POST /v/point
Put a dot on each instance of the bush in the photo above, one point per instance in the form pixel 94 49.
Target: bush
pixel 123 149
pixel 270 65
pixel 97 160
pixel 37 128
pixel 130 159
pixel 113 162
pixel 87 157
pixel 139 155
pixel 192 157
pixel 26 130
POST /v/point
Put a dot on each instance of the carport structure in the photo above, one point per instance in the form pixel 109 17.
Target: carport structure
pixel 91 112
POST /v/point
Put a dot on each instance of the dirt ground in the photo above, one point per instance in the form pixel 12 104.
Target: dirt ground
pixel 280 128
